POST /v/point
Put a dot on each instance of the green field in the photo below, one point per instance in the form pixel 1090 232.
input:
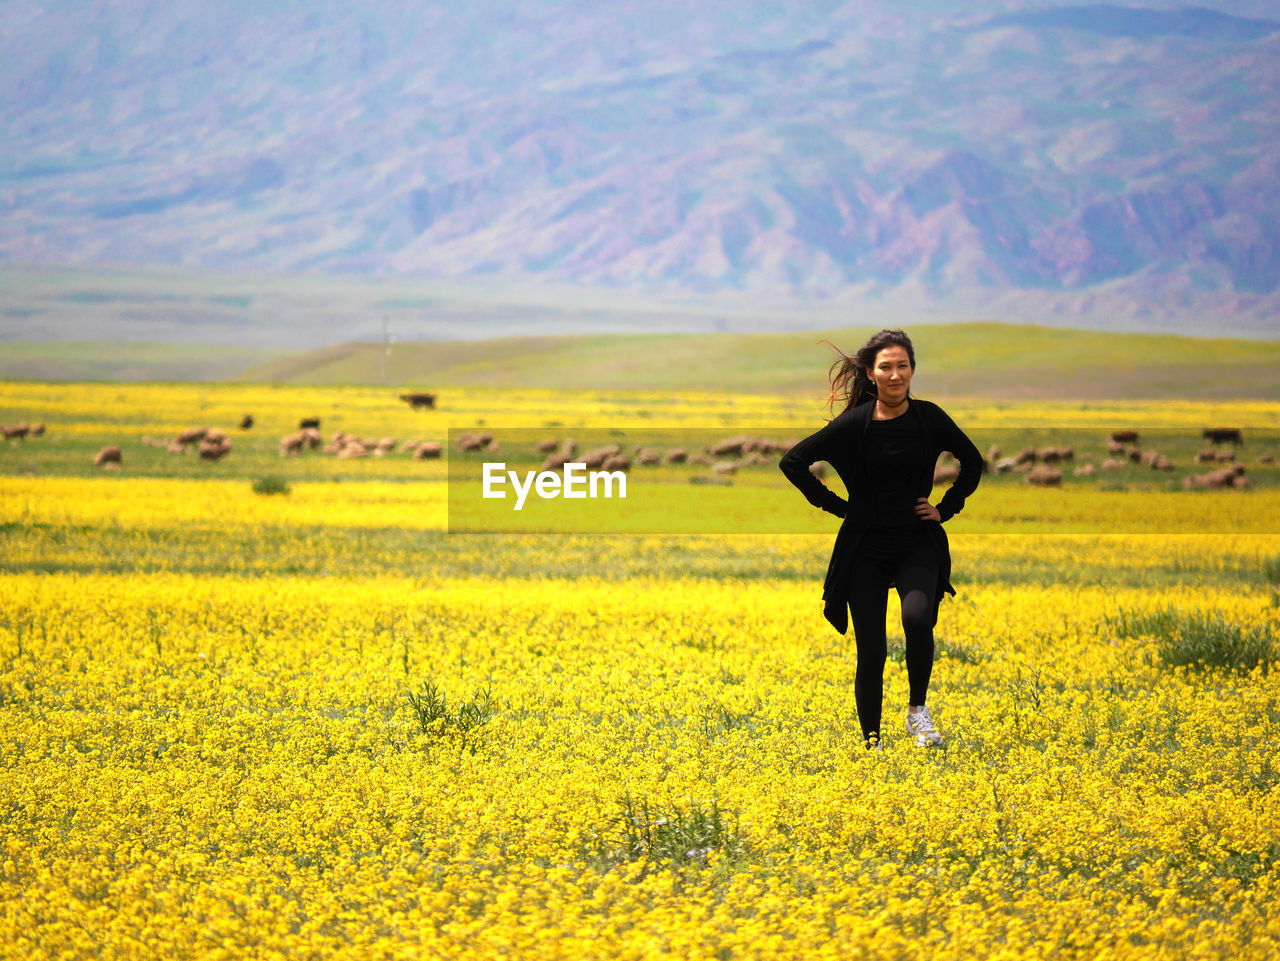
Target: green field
pixel 997 361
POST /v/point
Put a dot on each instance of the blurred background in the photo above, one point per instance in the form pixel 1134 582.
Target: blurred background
pixel 304 172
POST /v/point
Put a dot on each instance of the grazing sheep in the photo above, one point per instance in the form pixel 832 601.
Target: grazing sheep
pixel 1115 448
pixel 428 450
pixel 1004 465
pixel 617 462
pixel 677 455
pixel 723 467
pixel 728 448
pixel 1025 456
pixel 1225 456
pixel 648 457
pixel 108 455
pixel 595 458
pixel 1110 464
pixel 945 473
pixel 993 453
pixel 211 451
pixel 471 442
pixel 1266 458
pixel 818 470
pixel 1044 476
pixel 291 444
pixel 192 435
pixel 1084 470
pixel 311 438
pixel 1047 455
pixel 546 446
pixel 1206 456
pixel 353 448
pixel 37 429
pixel 1222 477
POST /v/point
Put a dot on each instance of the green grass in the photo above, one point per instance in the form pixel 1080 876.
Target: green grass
pixel 1006 361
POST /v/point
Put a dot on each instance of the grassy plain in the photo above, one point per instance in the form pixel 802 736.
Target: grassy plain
pixel 1017 362
pixel 648 745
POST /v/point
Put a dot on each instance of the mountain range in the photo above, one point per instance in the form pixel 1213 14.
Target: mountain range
pixel 1038 159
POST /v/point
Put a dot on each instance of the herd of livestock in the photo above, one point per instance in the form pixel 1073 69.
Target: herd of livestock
pixel 1041 466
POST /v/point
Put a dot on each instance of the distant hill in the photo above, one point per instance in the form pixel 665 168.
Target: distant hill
pixel 998 361
pixel 1021 159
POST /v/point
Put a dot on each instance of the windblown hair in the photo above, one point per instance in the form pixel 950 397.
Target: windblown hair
pixel 850 382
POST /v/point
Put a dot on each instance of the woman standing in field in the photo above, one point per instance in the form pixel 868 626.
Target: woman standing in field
pixel 884 446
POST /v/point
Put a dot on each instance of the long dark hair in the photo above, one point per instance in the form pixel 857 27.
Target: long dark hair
pixel 848 375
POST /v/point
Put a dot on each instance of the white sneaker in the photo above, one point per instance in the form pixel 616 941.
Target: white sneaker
pixel 920 726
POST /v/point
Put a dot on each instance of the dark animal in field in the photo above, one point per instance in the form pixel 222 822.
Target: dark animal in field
pixel 108 455
pixel 1125 436
pixel 1223 435
pixel 1042 475
pixel 16 431
pixel 309 422
pixel 419 400
pixel 246 422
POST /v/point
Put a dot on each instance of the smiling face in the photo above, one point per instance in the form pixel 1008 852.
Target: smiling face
pixel 891 373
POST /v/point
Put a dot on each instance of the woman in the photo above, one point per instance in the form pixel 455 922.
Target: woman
pixel 884 446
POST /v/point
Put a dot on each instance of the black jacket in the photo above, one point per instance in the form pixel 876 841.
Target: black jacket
pixel 841 444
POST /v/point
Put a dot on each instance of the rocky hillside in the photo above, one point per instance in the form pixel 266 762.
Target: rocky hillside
pixel 1092 154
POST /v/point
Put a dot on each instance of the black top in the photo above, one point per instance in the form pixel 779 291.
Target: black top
pixel 894 459
pixel 843 443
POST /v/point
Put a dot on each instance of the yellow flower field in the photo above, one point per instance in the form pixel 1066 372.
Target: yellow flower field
pixel 223 734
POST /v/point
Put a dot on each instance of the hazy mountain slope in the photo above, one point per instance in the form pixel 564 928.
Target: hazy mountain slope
pixel 797 148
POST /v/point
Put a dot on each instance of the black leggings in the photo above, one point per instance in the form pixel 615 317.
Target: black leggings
pixel 908 560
